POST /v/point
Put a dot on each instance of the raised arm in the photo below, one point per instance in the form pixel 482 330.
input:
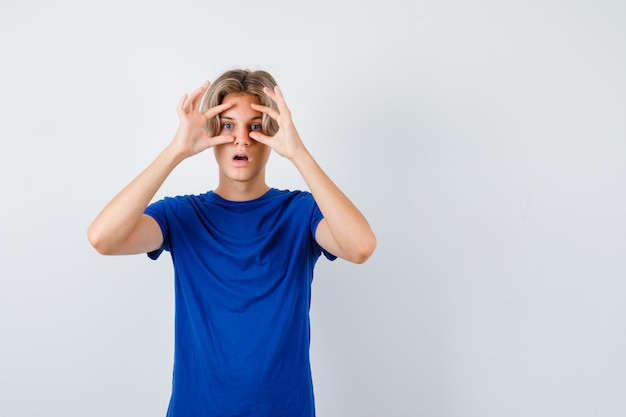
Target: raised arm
pixel 344 231
pixel 121 227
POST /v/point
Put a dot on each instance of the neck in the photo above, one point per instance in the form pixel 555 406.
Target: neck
pixel 240 191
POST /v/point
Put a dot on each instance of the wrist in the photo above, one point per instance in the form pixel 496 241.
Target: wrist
pixel 302 159
pixel 173 155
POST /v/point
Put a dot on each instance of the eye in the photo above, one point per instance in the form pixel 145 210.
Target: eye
pixel 227 126
pixel 255 126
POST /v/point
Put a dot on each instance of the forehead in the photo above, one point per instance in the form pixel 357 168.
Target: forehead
pixel 241 106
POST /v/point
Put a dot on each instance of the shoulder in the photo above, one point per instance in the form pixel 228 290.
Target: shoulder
pixel 180 204
pixel 290 196
pixel 295 200
pixel 187 199
pixel 295 204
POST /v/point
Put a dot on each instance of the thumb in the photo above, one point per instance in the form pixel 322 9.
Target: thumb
pixel 261 138
pixel 220 140
pixel 206 142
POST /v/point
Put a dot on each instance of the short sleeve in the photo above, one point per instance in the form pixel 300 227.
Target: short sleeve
pixel 158 212
pixel 316 218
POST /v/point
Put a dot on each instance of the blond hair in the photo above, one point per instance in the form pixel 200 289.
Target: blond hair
pixel 239 81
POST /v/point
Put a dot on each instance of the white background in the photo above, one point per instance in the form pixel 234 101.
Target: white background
pixel 484 141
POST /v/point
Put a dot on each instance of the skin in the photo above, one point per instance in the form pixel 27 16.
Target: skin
pixel 245 179
pixel 122 228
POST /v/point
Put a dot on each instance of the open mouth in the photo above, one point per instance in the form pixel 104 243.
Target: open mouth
pixel 240 157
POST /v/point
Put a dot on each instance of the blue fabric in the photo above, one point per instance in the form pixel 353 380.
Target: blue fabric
pixel 243 274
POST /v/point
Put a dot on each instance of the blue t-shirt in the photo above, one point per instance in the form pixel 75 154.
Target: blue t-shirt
pixel 243 274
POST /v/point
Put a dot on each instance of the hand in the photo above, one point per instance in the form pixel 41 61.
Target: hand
pixel 191 137
pixel 286 142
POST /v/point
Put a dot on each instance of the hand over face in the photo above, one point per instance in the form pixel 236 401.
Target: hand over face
pixel 191 137
pixel 286 142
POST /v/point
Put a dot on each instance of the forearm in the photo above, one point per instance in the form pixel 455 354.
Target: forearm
pixel 119 218
pixel 349 228
pixel 344 231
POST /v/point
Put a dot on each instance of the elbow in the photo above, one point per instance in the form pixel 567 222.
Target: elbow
pixel 98 242
pixel 365 249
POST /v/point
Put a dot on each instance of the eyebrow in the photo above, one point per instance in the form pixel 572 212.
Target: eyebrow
pixel 230 118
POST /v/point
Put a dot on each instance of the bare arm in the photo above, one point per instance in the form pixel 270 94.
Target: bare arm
pixel 121 227
pixel 344 231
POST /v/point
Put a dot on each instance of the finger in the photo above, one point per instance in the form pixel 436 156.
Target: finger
pixel 277 96
pixel 271 94
pixel 222 139
pixel 207 142
pixel 180 108
pixel 281 98
pixel 214 111
pixel 261 138
pixel 272 112
pixel 192 102
pixel 279 92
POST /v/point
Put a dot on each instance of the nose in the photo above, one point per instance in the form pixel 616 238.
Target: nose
pixel 242 136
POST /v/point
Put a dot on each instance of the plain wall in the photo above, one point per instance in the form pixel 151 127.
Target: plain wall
pixel 484 141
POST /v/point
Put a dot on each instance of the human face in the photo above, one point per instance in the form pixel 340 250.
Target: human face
pixel 243 160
